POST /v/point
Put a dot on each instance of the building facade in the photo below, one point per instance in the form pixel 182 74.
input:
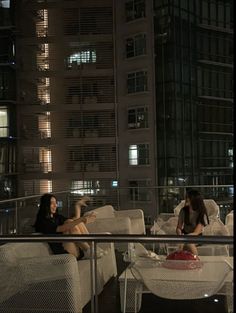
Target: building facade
pixel 8 169
pixel 131 94
pixel 194 88
pixel 67 120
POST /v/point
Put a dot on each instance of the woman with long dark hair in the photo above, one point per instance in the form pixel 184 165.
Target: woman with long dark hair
pixel 49 221
pixel 192 218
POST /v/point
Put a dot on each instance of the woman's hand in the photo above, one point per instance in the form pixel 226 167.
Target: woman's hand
pixel 90 218
pixel 83 201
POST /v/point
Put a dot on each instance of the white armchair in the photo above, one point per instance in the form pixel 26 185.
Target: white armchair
pixel 229 222
pixel 34 280
pixel 215 228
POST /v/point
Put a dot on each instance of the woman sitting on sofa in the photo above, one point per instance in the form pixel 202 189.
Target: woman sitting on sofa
pixel 192 218
pixel 48 221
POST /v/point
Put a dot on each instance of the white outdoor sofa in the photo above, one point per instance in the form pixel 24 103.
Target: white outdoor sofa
pixel 117 222
pixel 34 280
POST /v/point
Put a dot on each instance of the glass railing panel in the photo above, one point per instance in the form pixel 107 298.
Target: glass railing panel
pixel 157 203
pixel 32 277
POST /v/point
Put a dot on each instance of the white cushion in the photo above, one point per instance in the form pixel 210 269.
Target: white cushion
pixel 106 211
pixel 229 219
pixel 215 228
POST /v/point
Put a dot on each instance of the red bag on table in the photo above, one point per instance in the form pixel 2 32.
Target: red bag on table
pixel 185 260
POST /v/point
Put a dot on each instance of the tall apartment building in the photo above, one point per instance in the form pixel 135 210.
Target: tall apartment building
pixel 131 93
pixel 175 97
pixel 67 120
pixel 8 185
pixel 194 91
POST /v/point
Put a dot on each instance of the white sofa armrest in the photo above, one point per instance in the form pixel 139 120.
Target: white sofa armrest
pixel 106 211
pixel 135 213
pixel 119 225
pixel 12 281
pixel 52 267
pixel 48 284
pixel 137 219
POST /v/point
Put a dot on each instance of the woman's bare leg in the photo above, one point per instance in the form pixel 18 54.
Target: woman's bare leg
pixel 192 248
pixel 82 227
pixel 73 247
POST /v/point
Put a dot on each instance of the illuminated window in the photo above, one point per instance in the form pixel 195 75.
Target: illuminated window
pixel 231 154
pixel 45 159
pixel 86 56
pixel 45 186
pixel 5 4
pixel 82 187
pixel 4 127
pixel 139 154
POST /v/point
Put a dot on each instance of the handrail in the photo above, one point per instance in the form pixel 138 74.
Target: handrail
pixel 118 188
pixel 119 238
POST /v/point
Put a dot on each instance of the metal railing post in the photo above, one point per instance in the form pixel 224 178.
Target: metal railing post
pixel 92 276
pixel 96 277
pixel 16 217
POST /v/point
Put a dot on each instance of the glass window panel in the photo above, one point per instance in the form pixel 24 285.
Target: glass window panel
pixel 213 13
pixel 131 118
pixel 221 22
pixel 138 192
pixel 137 118
pixel 129 47
pixel 137 82
pixel 133 155
pixel 136 45
pixel 139 9
pixel 204 12
pixel 139 154
pixel 4 127
pixel 228 16
pixel 135 9
pixel 140 44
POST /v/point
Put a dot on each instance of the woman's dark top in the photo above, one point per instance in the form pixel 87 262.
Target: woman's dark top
pixel 48 226
pixel 193 220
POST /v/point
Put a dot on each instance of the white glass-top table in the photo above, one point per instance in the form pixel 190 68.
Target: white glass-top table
pixel 214 277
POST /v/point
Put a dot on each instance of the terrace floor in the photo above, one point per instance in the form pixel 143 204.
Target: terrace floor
pixel 109 300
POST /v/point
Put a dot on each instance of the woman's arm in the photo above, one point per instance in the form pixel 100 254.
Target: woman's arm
pixel 180 223
pixel 198 230
pixel 179 228
pixel 69 224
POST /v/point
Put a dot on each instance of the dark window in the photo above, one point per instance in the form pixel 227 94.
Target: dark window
pixel 139 190
pixel 136 46
pixel 137 82
pixel 138 118
pixel 135 9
